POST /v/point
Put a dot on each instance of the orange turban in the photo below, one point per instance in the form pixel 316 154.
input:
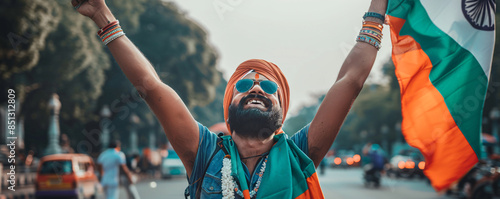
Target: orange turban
pixel 270 71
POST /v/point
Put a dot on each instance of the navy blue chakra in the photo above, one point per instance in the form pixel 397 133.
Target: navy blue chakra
pixel 480 13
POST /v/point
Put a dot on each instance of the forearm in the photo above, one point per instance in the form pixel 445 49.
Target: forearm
pixel 358 64
pixel 127 172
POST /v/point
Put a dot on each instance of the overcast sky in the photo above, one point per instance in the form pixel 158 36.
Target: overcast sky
pixel 307 39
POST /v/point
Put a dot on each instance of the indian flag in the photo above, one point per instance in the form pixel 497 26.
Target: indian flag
pixel 442 50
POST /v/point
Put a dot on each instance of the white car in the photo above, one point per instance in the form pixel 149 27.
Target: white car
pixel 172 165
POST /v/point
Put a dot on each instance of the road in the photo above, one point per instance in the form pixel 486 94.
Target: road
pixel 336 183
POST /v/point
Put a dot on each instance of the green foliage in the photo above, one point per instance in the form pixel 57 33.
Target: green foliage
pixel 493 93
pixel 214 112
pixel 375 107
pixel 25 25
pixel 128 12
pixel 303 117
pixel 59 54
pixel 179 50
pixel 57 51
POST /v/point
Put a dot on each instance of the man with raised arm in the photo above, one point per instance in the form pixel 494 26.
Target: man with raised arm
pixel 257 160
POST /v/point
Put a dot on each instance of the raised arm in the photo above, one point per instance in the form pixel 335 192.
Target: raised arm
pixel 178 123
pixel 334 108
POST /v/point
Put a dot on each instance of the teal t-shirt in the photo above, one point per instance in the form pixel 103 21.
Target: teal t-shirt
pixel 207 146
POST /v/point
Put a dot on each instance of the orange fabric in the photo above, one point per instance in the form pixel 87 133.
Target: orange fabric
pixel 270 71
pixel 314 190
pixel 427 122
pixel 246 194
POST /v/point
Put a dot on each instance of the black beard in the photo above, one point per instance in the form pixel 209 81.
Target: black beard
pixel 254 123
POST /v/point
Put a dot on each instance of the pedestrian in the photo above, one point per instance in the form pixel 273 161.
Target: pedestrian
pixel 134 163
pixel 109 164
pixel 256 159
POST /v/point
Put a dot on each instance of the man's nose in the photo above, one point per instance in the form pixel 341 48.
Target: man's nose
pixel 256 89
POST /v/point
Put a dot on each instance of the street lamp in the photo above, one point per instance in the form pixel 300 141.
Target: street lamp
pixel 54 106
pixel 152 135
pixel 385 130
pixel 105 114
pixel 135 120
pixel 495 116
pixel 397 127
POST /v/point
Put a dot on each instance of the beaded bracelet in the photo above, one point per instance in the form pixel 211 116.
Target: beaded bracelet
pixel 375 34
pixel 369 40
pixel 371 33
pixel 372 37
pixel 373 25
pixel 110 32
pixel 374 15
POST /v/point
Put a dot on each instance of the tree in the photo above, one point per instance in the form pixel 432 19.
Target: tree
pixel 305 115
pixel 26 25
pixel 376 106
pixel 179 50
pixel 64 58
pixel 57 51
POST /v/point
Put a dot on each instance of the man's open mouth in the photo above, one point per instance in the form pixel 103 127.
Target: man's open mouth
pixel 256 101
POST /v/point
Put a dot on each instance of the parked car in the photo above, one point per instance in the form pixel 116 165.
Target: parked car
pixel 172 165
pixel 67 176
pixel 408 163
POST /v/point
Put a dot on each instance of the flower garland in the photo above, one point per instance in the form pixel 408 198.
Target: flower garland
pixel 227 179
pixel 229 184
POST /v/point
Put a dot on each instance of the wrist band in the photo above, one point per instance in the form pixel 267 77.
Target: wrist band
pixel 375 34
pixel 374 15
pixel 371 33
pixel 110 32
pixel 369 40
pixel 374 25
pixel 107 27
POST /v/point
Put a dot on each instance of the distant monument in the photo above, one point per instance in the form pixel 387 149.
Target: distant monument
pixel 135 121
pixel 105 114
pixel 54 106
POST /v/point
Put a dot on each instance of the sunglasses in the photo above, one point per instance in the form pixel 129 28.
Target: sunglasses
pixel 267 86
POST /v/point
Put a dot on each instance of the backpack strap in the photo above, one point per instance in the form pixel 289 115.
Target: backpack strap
pixel 198 186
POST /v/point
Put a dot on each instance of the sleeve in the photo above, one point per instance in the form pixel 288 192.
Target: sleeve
pixel 207 146
pixel 301 140
pixel 122 158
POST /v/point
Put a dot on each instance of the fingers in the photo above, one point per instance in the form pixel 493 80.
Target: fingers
pixel 77 3
pixel 74 3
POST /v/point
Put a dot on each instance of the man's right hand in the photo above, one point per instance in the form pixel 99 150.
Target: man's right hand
pixel 95 10
pixel 88 8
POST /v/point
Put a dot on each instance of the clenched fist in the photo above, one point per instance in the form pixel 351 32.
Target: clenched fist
pixel 95 10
